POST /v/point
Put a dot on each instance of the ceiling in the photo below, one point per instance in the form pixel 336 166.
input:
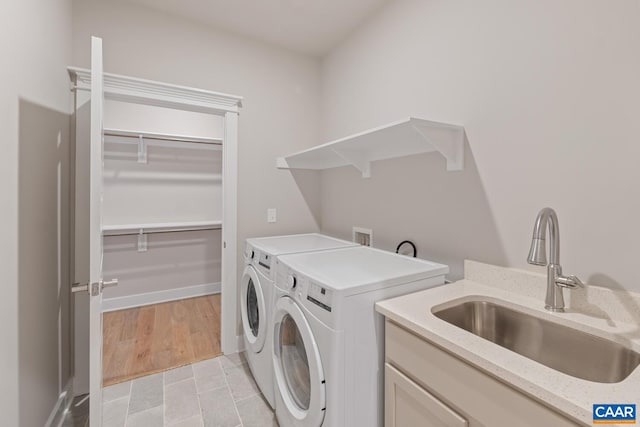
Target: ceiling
pixel 308 26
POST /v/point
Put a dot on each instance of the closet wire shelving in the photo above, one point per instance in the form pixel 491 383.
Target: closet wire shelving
pixel 141 230
pixel 143 137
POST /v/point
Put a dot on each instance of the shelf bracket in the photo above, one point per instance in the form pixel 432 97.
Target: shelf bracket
pixel 142 241
pixel 281 163
pixel 357 159
pixel 450 144
pixel 142 150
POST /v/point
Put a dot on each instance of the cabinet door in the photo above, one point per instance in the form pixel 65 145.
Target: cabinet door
pixel 409 405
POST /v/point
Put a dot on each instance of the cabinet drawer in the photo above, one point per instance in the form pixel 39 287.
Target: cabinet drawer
pixel 471 392
pixel 409 405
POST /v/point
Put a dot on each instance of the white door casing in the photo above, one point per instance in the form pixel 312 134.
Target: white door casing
pixel 314 414
pixel 255 340
pixel 102 85
pixel 229 341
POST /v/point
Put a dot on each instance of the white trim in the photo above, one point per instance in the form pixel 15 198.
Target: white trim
pixel 240 346
pixel 228 340
pixel 139 300
pixel 61 407
pixel 149 92
pixel 237 347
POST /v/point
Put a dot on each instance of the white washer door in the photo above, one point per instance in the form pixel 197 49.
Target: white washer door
pixel 297 365
pixel 254 319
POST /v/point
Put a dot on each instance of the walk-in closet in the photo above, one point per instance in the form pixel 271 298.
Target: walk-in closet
pixel 164 185
pixel 162 228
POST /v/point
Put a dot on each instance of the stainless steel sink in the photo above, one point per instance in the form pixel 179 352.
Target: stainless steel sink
pixel 562 348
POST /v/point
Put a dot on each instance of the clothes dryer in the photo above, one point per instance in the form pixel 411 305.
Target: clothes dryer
pixel 328 340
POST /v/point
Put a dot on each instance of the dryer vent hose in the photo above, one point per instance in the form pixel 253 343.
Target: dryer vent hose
pixel 407 242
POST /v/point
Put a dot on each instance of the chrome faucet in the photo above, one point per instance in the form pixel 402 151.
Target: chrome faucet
pixel 554 301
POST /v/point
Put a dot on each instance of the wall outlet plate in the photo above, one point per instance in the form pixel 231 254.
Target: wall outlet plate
pixel 271 215
pixel 363 236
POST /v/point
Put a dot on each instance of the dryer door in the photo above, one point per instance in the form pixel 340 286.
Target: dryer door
pixel 297 366
pixel 252 306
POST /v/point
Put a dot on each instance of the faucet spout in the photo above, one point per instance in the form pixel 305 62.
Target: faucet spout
pixel 537 254
pixel 547 219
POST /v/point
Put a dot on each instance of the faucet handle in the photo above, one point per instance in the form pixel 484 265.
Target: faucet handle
pixel 570 282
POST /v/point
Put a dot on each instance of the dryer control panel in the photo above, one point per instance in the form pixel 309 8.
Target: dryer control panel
pixel 320 296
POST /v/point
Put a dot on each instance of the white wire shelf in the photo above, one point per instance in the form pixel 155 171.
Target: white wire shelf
pixel 167 227
pixel 161 136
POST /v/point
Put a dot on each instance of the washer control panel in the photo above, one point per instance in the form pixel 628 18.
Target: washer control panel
pixel 265 261
pixel 320 296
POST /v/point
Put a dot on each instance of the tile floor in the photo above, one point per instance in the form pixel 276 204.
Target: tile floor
pixel 215 392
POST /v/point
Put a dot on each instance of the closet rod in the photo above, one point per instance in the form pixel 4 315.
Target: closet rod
pixel 179 230
pixel 137 229
pixel 163 137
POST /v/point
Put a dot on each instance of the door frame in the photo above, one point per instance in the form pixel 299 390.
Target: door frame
pixel 159 94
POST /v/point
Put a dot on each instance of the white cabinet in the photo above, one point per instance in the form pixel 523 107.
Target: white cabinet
pixel 427 386
pixel 409 405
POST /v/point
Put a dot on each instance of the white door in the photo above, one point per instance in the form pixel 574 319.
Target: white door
pixel 253 310
pixel 96 282
pixel 299 376
pixel 95 236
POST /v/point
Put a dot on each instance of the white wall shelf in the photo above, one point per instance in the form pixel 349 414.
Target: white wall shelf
pixel 167 227
pixel 402 138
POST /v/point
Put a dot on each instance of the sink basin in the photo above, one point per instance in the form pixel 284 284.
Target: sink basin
pixel 562 348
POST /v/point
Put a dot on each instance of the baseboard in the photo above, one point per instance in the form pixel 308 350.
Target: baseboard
pixel 119 303
pixel 60 409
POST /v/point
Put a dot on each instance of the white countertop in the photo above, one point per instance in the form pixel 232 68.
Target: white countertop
pixel 610 314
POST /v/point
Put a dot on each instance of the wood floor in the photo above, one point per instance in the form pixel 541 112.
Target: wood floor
pixel 144 340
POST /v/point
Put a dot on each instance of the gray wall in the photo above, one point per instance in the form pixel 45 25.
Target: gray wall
pixel 44 311
pixel 548 93
pixel 281 90
pixel 35 41
pixel 171 261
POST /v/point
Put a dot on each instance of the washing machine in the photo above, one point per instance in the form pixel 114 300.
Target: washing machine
pixel 328 340
pixel 257 296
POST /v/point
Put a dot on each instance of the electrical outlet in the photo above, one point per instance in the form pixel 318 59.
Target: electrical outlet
pixel 271 215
